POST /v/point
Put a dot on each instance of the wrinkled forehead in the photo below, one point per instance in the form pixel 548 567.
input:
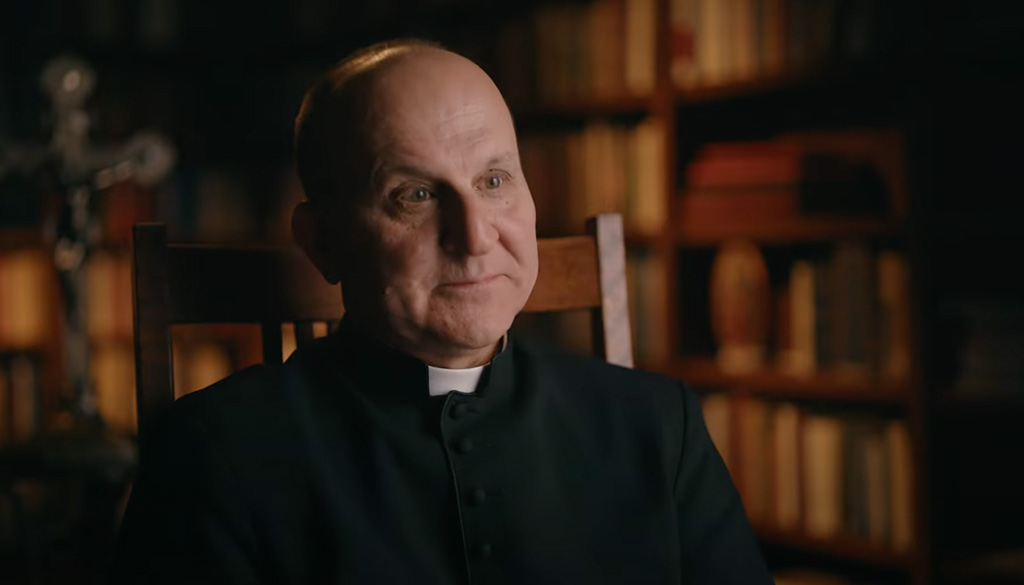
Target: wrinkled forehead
pixel 435 93
pixel 410 106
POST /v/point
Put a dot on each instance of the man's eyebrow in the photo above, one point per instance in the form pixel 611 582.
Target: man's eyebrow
pixel 503 158
pixel 382 172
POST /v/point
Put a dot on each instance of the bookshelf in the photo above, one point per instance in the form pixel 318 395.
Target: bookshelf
pixel 889 86
pixel 769 383
pixel 838 547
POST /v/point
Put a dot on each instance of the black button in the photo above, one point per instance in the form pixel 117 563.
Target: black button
pixel 483 550
pixel 478 496
pixel 458 411
pixel 464 446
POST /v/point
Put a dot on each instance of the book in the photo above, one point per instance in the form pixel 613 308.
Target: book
pixel 683 42
pixel 733 209
pixel 823 475
pixel 640 46
pixel 24 398
pixel 717 409
pixel 753 430
pixel 745 164
pixel 26 284
pixel 893 315
pixel 108 296
pixel 786 485
pixel 645 212
pixel 901 484
pixel 853 308
pixel 112 366
pixel 877 477
pixel 801 357
pixel 854 171
pixel 645 276
pixel 740 302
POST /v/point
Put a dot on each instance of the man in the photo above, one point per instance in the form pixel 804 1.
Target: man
pixel 421 443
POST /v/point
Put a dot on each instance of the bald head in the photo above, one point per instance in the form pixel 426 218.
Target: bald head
pixel 418 204
pixel 361 93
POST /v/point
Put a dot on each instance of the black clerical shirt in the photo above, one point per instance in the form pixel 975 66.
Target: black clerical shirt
pixel 338 467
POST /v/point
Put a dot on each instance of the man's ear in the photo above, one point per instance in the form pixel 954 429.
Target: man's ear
pixel 306 231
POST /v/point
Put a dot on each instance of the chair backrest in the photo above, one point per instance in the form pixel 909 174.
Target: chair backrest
pixel 188 283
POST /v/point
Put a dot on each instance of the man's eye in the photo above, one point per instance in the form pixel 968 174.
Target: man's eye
pixel 417 195
pixel 493 181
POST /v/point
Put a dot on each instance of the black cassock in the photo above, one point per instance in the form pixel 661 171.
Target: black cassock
pixel 338 467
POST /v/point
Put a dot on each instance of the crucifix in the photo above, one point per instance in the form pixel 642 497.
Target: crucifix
pixel 83 171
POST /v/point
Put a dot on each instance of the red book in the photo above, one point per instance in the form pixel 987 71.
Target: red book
pixel 704 209
pixel 743 172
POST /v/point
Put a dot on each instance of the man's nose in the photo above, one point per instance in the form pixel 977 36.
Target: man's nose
pixel 468 225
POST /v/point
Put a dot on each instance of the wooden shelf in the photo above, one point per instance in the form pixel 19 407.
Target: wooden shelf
pixel 16 238
pixel 111 340
pixel 839 547
pixel 702 94
pixel 836 78
pixel 641 239
pixel 704 373
pixel 33 350
pixel 795 231
pixel 22 238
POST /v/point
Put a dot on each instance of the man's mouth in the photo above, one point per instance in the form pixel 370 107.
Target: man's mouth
pixel 473 282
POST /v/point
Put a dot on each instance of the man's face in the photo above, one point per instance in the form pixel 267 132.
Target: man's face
pixel 442 252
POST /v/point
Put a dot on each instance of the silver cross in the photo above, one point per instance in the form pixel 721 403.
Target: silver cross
pixel 83 169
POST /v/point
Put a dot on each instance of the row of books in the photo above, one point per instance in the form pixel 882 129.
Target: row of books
pixel 28 307
pixel 573 51
pixel 817 473
pixel 648 298
pixel 794 176
pixel 845 311
pixel 848 313
pixel 715 42
pixel 603 168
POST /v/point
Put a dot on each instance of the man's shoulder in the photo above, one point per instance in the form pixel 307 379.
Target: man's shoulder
pixel 581 387
pixel 589 373
pixel 245 389
pixel 254 400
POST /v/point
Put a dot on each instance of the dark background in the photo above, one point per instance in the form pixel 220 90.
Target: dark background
pixel 223 81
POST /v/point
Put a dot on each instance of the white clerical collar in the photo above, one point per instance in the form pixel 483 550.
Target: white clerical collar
pixel 441 381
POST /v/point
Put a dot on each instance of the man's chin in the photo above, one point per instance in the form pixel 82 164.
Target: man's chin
pixel 472 339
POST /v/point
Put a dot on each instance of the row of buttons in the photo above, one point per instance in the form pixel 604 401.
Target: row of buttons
pixel 475 496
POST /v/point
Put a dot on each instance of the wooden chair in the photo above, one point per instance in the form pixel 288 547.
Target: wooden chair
pixel 188 283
